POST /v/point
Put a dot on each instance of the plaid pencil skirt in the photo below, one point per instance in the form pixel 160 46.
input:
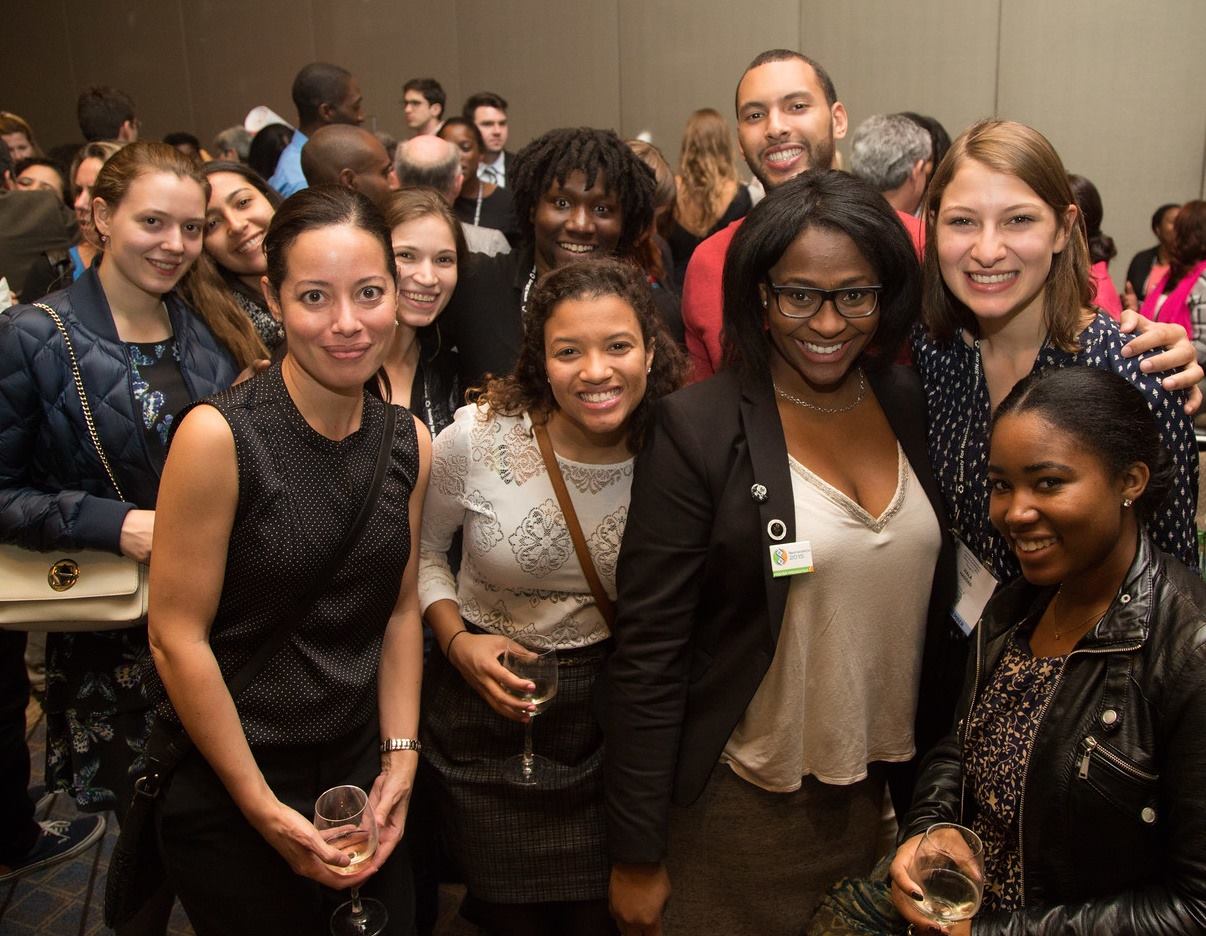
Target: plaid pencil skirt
pixel 520 844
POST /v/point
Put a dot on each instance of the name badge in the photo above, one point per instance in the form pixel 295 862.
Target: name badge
pixel 973 588
pixel 791 558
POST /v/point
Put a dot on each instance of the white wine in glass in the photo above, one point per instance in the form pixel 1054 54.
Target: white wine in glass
pixel 537 663
pixel 948 866
pixel 345 820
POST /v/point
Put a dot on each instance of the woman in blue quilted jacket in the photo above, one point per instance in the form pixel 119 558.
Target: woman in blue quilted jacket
pixel 143 355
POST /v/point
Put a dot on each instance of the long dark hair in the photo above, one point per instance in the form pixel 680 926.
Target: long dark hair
pixel 1088 200
pixel 1189 246
pixel 1104 413
pixel 825 198
pixel 209 287
pixel 527 387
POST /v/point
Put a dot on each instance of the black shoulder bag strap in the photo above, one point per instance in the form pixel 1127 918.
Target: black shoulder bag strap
pixel 166 748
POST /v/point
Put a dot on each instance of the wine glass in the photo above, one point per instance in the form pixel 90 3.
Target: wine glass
pixel 536 663
pixel 345 820
pixel 948 866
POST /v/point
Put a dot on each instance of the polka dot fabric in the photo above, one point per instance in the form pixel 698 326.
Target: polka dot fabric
pixel 298 494
pixel 959 411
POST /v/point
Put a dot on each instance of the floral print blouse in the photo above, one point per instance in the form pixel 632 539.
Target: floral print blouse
pixel 1000 735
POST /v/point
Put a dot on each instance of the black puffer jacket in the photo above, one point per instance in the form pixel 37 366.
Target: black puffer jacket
pixel 1113 811
pixel 53 488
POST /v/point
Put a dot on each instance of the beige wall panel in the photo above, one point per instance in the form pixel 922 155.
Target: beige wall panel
pixel 1117 87
pixel 37 78
pixel 556 63
pixel 937 57
pixel 138 46
pixel 681 55
pixel 231 66
pixel 385 43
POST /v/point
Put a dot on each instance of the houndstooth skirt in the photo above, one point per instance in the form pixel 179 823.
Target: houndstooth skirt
pixel 520 844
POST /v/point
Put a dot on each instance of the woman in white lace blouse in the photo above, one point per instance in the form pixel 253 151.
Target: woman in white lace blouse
pixel 594 360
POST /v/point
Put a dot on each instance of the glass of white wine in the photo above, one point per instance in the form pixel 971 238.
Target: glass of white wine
pixel 537 663
pixel 948 866
pixel 345 820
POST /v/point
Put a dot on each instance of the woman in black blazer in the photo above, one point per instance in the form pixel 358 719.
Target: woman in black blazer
pixel 810 438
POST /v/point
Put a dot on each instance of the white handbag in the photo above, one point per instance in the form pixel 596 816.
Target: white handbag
pixel 71 590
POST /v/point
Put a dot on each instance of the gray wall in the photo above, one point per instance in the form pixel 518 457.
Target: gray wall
pixel 1116 84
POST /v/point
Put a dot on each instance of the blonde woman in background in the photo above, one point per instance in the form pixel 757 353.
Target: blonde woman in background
pixel 710 193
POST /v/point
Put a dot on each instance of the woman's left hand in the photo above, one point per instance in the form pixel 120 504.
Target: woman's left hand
pixel 1178 354
pixel 390 799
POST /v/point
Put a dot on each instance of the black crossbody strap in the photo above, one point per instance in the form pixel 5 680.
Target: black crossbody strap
pixel 169 751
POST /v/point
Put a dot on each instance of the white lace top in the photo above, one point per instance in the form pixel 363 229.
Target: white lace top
pixel 519 573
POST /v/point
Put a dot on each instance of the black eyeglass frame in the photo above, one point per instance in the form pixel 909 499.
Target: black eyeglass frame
pixel 827 295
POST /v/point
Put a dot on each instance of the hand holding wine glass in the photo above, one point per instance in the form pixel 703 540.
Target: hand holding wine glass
pixel 941 875
pixel 344 819
pixel 537 664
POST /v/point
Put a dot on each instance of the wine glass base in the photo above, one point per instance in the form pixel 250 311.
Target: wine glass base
pixel 369 922
pixel 514 771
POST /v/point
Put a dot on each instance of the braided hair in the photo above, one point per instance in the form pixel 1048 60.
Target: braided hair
pixel 558 153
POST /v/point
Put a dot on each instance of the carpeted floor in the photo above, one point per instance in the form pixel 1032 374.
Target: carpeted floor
pixel 68 899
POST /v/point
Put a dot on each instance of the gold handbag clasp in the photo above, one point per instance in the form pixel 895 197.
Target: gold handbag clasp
pixel 63 574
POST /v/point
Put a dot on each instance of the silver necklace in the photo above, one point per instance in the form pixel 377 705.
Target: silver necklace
pixel 477 212
pixel 862 390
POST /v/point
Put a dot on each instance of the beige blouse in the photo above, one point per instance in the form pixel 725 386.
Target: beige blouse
pixel 841 691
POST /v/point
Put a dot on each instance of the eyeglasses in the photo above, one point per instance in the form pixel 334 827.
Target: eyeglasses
pixel 801 302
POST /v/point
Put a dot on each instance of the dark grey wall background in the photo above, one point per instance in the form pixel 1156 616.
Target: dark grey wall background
pixel 1117 85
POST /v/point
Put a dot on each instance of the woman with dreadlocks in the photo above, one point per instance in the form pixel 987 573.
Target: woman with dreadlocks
pixel 579 193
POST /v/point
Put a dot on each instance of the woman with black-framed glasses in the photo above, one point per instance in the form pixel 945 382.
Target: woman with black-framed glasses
pixel 783 584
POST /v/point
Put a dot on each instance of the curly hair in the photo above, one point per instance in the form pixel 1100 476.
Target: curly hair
pixel 527 387
pixel 557 154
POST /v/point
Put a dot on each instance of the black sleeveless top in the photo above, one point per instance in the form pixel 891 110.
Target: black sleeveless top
pixel 298 493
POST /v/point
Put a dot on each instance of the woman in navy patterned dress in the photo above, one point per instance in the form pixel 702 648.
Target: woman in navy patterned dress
pixel 1007 293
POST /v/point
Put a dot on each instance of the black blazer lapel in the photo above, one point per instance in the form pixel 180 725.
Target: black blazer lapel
pixel 768 457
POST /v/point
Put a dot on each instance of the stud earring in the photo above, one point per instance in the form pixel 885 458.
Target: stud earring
pixel 1126 502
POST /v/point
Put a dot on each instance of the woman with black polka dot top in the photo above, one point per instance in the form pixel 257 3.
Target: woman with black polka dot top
pixel 261 484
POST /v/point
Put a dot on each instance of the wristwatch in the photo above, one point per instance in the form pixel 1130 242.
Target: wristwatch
pixel 400 744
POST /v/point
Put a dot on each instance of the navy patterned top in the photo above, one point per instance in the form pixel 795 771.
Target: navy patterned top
pixel 158 389
pixel 959 412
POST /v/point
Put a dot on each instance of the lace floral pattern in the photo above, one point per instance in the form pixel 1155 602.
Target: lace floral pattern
pixel 518 568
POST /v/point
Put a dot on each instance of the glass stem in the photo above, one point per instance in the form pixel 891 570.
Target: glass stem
pixel 357 906
pixel 527 748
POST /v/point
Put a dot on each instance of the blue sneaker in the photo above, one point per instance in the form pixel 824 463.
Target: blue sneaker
pixel 41 798
pixel 60 840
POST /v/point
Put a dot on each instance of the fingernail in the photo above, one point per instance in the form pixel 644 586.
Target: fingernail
pixel 918 895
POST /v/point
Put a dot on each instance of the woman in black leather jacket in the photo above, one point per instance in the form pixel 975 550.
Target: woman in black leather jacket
pixel 1078 752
